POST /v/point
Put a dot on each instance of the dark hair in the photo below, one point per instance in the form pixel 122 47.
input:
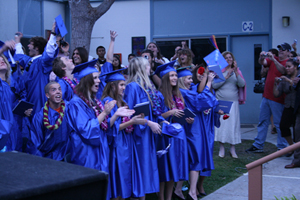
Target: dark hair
pixel 83 53
pixel 39 42
pixel 100 47
pixel 119 66
pixel 167 93
pixel 189 56
pixel 47 87
pixel 274 51
pixel 148 51
pixel 132 54
pixel 85 85
pixel 111 90
pixel 57 66
pixel 294 62
pixel 195 71
pixel 294 54
pixel 159 55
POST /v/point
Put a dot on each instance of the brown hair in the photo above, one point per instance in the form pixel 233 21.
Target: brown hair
pixel 84 87
pixel 57 66
pixel 189 56
pixel 112 90
pixel 228 52
pixel 168 90
pixel 159 55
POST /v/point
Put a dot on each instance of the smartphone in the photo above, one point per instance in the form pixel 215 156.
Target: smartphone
pixel 295 41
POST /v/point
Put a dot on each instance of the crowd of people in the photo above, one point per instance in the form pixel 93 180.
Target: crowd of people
pixel 83 112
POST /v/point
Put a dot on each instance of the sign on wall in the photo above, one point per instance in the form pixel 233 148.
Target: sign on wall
pixel 247 26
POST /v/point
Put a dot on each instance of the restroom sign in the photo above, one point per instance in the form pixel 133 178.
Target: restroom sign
pixel 247 26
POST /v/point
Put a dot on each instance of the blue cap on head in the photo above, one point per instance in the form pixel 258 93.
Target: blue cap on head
pixel 85 69
pixel 165 68
pixel 114 76
pixel 181 72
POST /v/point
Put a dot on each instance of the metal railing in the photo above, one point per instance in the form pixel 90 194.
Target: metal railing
pixel 255 171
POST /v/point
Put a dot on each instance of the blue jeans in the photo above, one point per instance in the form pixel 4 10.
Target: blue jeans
pixel 268 108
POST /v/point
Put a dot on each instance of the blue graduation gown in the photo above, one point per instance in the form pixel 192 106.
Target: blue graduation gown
pixel 174 164
pixel 18 93
pixel 6 115
pixel 67 91
pixel 124 167
pixel 46 143
pixel 198 138
pixel 88 142
pixel 106 67
pixel 144 140
pixel 36 78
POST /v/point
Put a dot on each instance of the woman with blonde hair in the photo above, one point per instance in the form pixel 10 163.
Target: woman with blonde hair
pixel 140 89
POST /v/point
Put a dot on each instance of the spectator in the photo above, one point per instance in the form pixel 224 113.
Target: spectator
pixel 284 84
pixel 158 57
pixel 101 53
pixel 229 131
pixel 175 57
pixel 148 54
pixel 271 105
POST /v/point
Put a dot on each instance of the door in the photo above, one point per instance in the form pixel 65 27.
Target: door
pixel 246 51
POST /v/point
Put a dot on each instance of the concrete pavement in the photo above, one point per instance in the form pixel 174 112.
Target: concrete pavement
pixel 277 181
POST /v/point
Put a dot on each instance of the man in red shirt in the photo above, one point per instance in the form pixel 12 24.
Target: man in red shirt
pixel 274 67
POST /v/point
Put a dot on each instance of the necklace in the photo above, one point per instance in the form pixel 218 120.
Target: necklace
pixel 177 103
pixel 128 129
pixel 98 109
pixel 70 82
pixel 58 121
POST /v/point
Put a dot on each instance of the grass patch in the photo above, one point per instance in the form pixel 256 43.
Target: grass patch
pixel 228 169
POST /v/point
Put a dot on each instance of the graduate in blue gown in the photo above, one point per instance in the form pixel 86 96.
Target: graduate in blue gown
pixel 11 97
pixel 49 134
pixel 173 166
pixel 63 68
pixel 38 66
pixel 89 121
pixel 124 169
pixel 138 90
pixel 198 98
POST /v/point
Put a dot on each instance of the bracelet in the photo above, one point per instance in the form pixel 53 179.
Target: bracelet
pixel 53 33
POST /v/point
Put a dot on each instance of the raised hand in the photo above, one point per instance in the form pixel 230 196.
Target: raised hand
pixel 28 112
pixel 18 37
pixel 113 35
pixel 211 76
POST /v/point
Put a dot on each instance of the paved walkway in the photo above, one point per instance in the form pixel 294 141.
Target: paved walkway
pixel 277 181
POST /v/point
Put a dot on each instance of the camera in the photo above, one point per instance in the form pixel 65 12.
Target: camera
pixel 279 80
pixel 63 43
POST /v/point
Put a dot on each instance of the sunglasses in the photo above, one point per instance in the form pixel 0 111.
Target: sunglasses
pixel 282 49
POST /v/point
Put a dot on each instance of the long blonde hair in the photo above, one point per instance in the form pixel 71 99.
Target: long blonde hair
pixel 8 73
pixel 137 73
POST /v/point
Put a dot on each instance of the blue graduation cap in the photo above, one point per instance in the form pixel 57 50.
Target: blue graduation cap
pixel 216 58
pixel 114 76
pixel 60 26
pixel 165 68
pixel 173 130
pixel 8 54
pixel 181 72
pixel 219 75
pixel 85 69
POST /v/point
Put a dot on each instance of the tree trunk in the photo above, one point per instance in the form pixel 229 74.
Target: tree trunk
pixel 83 18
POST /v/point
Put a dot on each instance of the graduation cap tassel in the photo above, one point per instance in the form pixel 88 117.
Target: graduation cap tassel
pixel 213 41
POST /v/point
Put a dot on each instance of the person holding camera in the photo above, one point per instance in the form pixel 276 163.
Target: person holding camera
pixel 271 105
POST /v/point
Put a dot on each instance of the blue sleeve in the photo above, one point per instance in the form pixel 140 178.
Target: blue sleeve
pixel 47 62
pixel 36 135
pixel 86 127
pixel 23 59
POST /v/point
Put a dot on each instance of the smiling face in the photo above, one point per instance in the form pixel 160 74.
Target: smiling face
pixel 76 57
pixel 115 62
pixel 3 65
pixel 229 59
pixel 173 78
pixel 95 86
pixel 187 81
pixel 55 94
pixel 121 87
pixel 183 58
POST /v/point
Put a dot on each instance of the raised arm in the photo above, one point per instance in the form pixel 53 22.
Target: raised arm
pixel 110 52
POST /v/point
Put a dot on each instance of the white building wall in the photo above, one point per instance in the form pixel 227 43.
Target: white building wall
pixel 9 19
pixel 282 34
pixel 52 10
pixel 129 19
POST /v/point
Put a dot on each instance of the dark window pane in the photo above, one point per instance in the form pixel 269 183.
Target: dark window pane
pixel 257 66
